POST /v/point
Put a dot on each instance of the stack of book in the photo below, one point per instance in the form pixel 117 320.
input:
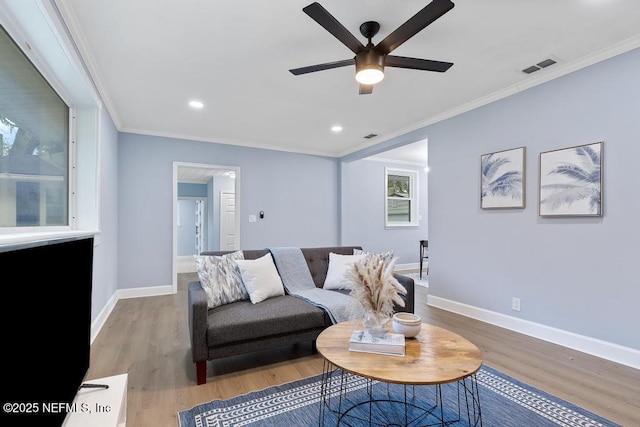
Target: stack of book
pixel 389 343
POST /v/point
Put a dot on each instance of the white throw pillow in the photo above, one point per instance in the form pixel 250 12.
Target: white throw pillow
pixel 261 278
pixel 220 278
pixel 338 267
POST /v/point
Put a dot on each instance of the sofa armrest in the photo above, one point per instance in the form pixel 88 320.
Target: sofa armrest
pixel 409 299
pixel 198 326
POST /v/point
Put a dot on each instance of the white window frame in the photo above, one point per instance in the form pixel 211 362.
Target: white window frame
pixel 412 197
pixel 38 26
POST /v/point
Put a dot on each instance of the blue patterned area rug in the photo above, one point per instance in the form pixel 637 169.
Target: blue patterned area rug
pixel 504 402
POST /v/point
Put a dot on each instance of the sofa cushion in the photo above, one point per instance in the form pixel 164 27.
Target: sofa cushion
pixel 261 278
pixel 318 260
pixel 220 278
pixel 385 256
pixel 244 321
pixel 337 274
pixel 248 254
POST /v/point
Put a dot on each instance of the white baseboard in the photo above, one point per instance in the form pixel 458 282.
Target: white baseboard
pixel 603 349
pixel 411 266
pixel 186 264
pixel 150 291
pixel 104 314
pixel 102 317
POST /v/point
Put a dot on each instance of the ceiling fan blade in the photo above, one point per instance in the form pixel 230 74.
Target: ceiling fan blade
pixel 320 67
pixel 416 63
pixel 415 24
pixel 365 89
pixel 331 24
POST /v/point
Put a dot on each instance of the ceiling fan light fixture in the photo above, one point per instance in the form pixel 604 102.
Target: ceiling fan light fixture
pixel 369 68
pixel 369 76
pixel 370 60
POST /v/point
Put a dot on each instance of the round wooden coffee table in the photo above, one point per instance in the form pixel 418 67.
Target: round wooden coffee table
pixel 433 358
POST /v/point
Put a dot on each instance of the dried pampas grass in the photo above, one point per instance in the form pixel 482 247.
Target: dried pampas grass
pixel 373 286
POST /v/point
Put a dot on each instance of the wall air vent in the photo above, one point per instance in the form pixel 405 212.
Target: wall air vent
pixel 371 135
pixel 539 66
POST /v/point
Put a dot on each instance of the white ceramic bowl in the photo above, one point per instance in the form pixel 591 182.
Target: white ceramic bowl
pixel 407 324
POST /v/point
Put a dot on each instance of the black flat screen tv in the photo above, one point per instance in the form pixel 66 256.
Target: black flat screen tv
pixel 46 324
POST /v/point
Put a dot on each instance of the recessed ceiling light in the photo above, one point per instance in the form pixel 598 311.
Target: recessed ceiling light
pixel 196 104
pixel 336 128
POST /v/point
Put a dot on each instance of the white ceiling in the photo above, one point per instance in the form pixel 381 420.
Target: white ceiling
pixel 201 174
pixel 148 58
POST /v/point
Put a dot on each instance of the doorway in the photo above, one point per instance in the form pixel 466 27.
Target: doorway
pixel 203 186
pixel 192 230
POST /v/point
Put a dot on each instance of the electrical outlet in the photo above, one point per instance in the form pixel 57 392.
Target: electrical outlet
pixel 515 304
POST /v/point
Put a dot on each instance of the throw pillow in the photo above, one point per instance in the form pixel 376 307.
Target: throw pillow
pixel 384 256
pixel 337 271
pixel 220 278
pixel 261 278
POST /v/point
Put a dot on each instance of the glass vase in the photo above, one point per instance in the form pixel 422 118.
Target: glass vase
pixel 375 323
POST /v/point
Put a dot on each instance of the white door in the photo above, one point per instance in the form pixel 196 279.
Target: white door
pixel 228 238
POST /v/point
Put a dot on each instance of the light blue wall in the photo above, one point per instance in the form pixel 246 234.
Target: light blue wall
pixel 575 274
pixel 297 192
pixel 192 190
pixel 186 227
pixel 363 202
pixel 105 252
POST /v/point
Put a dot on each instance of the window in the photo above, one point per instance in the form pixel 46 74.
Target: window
pixel 401 199
pixel 34 144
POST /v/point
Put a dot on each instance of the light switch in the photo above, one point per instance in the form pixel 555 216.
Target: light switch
pixel 252 218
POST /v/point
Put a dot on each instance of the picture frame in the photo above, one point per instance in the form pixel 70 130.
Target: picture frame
pixel 502 179
pixel 570 181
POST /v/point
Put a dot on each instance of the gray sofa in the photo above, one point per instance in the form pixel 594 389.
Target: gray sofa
pixel 242 327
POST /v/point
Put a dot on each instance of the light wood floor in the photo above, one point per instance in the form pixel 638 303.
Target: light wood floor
pixel 148 338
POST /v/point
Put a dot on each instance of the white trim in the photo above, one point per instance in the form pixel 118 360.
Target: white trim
pixel 150 291
pixel 101 318
pixel 174 238
pixel 40 235
pixel 558 70
pixel 174 197
pixel 409 266
pixel 414 191
pixel 603 349
pixel 186 264
pixel 43 37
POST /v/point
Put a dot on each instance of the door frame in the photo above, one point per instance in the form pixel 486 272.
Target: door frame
pixel 185 263
pixel 176 166
pixel 201 224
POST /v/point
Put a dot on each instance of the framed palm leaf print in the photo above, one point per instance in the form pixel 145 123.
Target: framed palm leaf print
pixel 503 178
pixel 570 181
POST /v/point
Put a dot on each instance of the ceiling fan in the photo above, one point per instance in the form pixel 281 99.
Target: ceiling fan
pixel 371 59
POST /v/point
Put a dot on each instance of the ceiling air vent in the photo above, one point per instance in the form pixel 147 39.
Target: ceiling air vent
pixel 546 63
pixel 371 135
pixel 539 66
